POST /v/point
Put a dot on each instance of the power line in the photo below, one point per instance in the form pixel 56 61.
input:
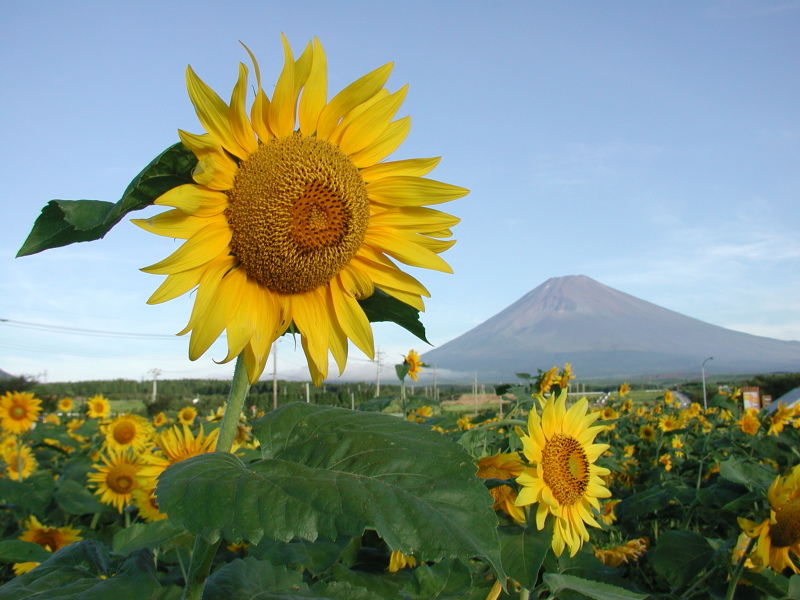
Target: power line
pixel 83 331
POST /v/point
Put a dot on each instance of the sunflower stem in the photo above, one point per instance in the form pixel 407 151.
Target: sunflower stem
pixel 739 568
pixel 203 553
pixel 230 421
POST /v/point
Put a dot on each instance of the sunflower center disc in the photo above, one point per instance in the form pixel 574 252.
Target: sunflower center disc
pixel 17 413
pixel 298 210
pixel 565 468
pixel 786 531
pixel 123 484
pixel 124 433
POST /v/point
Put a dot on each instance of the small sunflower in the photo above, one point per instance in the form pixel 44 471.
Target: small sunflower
pixel 187 415
pixel 98 407
pixel 630 551
pixel 65 405
pixel 175 444
pixel 128 431
pixel 414 364
pixel 293 216
pixel 503 466
pixel 669 423
pixel 647 433
pixel 668 398
pixel 565 376
pixel 779 535
pixel 20 463
pixel 115 479
pixel 159 420
pixel 563 478
pixel 49 538
pixel 147 505
pixel 18 411
pixel 52 419
pixel 398 561
pixel 546 380
pixel 624 389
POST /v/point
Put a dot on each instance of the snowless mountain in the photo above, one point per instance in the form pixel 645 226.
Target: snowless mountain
pixel 604 333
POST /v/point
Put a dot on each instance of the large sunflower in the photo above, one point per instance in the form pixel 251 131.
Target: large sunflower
pixel 779 535
pixel 115 479
pixel 293 216
pixel 563 478
pixel 18 411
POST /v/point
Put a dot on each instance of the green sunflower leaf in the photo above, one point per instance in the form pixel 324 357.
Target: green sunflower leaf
pixel 14 551
pixel 523 551
pixel 679 556
pixel 85 571
pixel 558 583
pixel 380 307
pixel 446 580
pixel 243 579
pixel 64 222
pixel 329 471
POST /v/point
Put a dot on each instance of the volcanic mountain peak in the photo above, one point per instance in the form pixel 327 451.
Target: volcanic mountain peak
pixel 576 318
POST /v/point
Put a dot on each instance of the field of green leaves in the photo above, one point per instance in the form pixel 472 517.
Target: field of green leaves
pixel 546 497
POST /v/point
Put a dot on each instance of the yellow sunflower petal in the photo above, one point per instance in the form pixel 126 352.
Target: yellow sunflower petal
pixel 396 245
pixel 359 91
pixel 412 191
pixel 213 113
pixel 194 200
pixel 315 92
pixel 202 247
pixel 387 142
pixel 259 112
pixel 352 319
pixel 176 285
pixel 370 124
pixel 281 110
pixel 412 167
pixel 221 310
pixel 173 224
pixel 237 114
pixel 418 218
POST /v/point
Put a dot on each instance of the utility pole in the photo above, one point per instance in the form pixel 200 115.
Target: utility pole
pixel 155 373
pixel 308 393
pixel 275 375
pixel 475 392
pixel 435 385
pixel 379 366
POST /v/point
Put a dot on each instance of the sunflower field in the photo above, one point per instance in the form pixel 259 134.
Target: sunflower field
pixel 553 498
pixel 293 221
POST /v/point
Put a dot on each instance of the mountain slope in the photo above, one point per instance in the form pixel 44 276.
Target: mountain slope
pixel 604 332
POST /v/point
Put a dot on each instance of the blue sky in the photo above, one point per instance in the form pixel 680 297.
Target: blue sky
pixel 651 146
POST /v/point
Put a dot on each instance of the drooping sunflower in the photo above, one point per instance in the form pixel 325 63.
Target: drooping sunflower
pixel 187 415
pixel 18 411
pixel 49 538
pixel 115 478
pixel 293 216
pixel 398 561
pixel 779 535
pixel 503 466
pixel 563 479
pixel 630 551
pixel 65 404
pixel 128 431
pixel 98 407
pixel 624 389
pixel 414 364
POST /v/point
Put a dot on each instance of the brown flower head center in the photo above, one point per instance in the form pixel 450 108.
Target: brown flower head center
pixel 122 478
pixel 124 432
pixel 299 211
pixel 565 468
pixel 18 413
pixel 49 538
pixel 786 530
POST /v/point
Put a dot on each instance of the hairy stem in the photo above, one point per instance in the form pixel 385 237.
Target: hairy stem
pixel 203 553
